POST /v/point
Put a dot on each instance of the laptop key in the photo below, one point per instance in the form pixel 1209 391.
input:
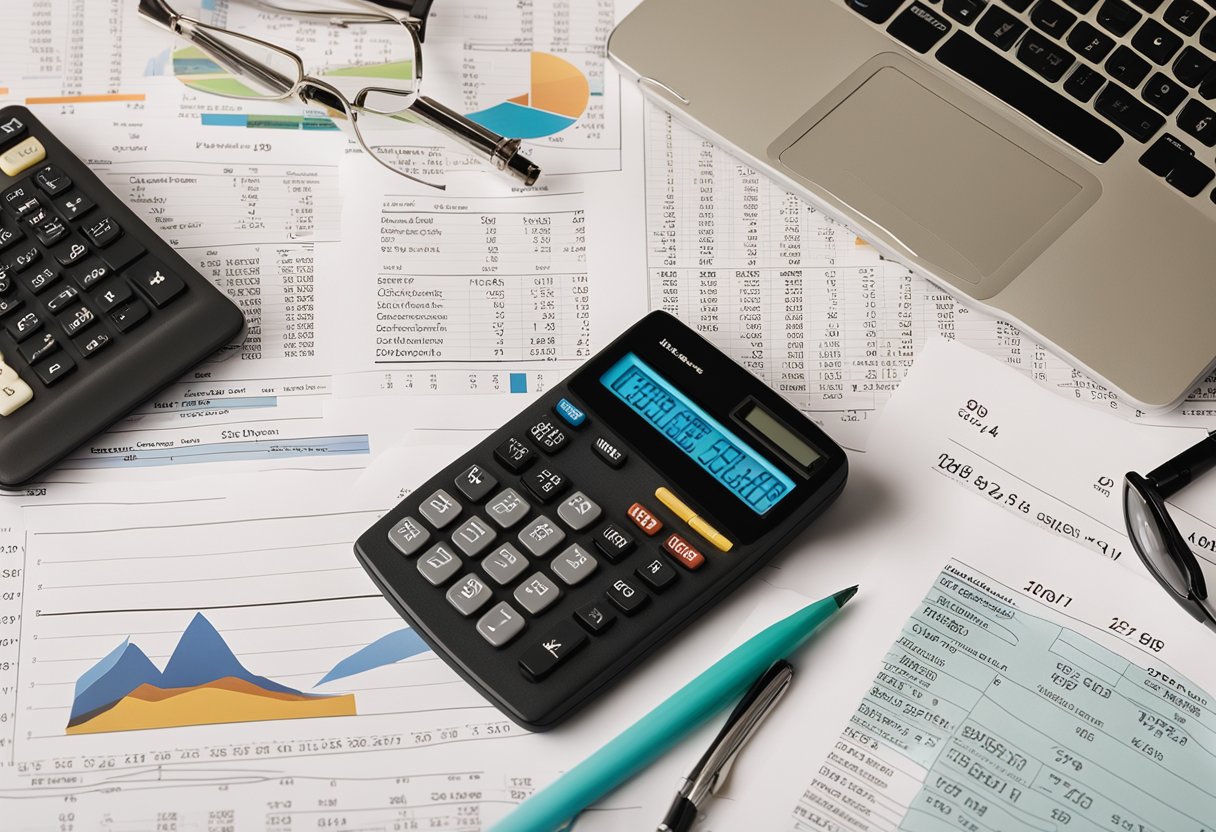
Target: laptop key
pixel 1090 43
pixel 877 10
pixel 1084 83
pixel 1191 176
pixel 1149 6
pixel 964 11
pixel 1191 66
pixel 1052 18
pixel 1136 119
pixel 1023 92
pixel 1117 17
pixel 1126 67
pixel 1156 41
pixel 1207 87
pixel 1185 15
pixel 1017 5
pixel 919 27
pixel 1207 37
pixel 1044 56
pixel 1081 6
pixel 1000 28
pixel 1163 93
pixel 1164 154
pixel 1198 121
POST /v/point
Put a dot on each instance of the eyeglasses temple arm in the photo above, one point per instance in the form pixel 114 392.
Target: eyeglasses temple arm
pixel 502 152
pixel 1179 471
pixel 241 63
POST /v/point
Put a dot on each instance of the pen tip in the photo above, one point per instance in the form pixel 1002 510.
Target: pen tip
pixel 844 595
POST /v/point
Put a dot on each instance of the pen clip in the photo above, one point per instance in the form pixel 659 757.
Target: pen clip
pixel 713 769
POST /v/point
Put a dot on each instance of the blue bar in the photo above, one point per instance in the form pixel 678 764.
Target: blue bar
pixel 519 382
pixel 722 454
pixel 225 119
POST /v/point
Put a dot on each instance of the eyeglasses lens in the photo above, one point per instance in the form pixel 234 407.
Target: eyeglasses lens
pixel 1151 543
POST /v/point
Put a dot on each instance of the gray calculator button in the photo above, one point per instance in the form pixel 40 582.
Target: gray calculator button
pixel 541 536
pixel 438 564
pixel 476 482
pixel 473 536
pixel 501 624
pixel 574 565
pixel 469 594
pixel 440 509
pixel 408 536
pixel 536 593
pixel 578 512
pixel 507 508
pixel 504 564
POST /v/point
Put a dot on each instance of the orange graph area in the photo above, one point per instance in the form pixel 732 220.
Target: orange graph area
pixel 557 87
pixel 222 701
pixel 85 99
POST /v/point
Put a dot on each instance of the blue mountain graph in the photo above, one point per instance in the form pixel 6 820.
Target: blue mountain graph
pixel 389 649
pixel 201 656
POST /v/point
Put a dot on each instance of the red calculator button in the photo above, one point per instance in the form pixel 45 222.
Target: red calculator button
pixel 644 519
pixel 683 551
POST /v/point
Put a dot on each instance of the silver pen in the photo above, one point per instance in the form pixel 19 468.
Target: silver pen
pixel 711 771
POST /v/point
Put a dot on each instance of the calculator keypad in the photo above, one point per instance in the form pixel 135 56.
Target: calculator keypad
pixel 561 541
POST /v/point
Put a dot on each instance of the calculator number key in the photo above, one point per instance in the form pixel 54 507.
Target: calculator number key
pixel 52 180
pixel 468 595
pixel 548 436
pixel 408 536
pixel 644 519
pixel 545 483
pixel 658 574
pixel 507 508
pixel 439 564
pixel 501 624
pixel 562 642
pixel 541 536
pixel 476 483
pixel 24 326
pixel 595 617
pixel 90 345
pixel 76 319
pixel 74 205
pixel 41 280
pixel 473 536
pixel 129 315
pixel 102 231
pixel 38 348
pixel 504 564
pixel 14 392
pixel 156 281
pixel 537 593
pixel 514 455
pixel 578 511
pixel 626 597
pixel 439 509
pixel 574 565
pixel 53 369
pixel 613 542
pixel 113 294
pixel 70 252
pixel 684 552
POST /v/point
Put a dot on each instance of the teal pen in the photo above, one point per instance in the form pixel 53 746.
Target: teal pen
pixel 651 736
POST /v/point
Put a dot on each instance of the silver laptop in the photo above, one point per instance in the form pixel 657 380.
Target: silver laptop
pixel 1048 161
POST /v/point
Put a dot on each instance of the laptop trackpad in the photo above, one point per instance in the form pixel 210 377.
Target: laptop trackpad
pixel 948 187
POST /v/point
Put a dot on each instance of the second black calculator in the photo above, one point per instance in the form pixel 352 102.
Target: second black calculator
pixel 602 520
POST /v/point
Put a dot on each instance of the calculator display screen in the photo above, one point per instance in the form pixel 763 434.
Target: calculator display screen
pixel 726 457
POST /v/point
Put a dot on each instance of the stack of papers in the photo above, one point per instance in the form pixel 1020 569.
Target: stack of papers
pixel 187 642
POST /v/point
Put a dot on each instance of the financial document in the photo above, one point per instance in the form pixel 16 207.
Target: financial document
pixel 1024 694
pixel 805 304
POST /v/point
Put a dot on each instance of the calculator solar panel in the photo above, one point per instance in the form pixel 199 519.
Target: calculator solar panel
pixel 601 520
pixel 97 313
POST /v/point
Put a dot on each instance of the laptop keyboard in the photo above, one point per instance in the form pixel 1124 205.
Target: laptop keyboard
pixel 1092 72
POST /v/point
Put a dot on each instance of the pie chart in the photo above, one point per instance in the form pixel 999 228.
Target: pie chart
pixel 557 96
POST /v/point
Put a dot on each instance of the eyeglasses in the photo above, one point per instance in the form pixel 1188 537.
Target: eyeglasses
pixel 1157 540
pixel 382 91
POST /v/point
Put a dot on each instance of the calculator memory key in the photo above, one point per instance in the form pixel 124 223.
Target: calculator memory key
pixel 683 552
pixel 657 574
pixel 556 647
pixel 626 596
pixel 613 542
pixel 514 454
pixel 545 483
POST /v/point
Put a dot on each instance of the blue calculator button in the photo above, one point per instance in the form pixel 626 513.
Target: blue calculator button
pixel 572 414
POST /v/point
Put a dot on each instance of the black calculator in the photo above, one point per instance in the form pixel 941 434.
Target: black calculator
pixel 97 313
pixel 602 520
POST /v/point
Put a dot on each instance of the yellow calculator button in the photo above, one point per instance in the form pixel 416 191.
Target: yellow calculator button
pixel 678 507
pixel 19 157
pixel 681 509
pixel 719 540
pixel 14 392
